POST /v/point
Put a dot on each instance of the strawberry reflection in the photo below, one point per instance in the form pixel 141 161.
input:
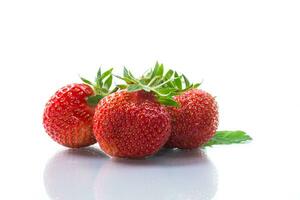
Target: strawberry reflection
pixel 70 174
pixel 171 174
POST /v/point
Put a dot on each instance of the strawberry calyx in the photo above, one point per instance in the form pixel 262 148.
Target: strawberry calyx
pixel 163 85
pixel 101 86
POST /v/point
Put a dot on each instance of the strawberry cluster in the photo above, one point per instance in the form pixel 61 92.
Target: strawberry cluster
pixel 136 119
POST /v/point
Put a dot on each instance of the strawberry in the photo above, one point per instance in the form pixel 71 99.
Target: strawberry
pixel 131 124
pixel 68 118
pixel 134 122
pixel 68 114
pixel 194 113
pixel 195 122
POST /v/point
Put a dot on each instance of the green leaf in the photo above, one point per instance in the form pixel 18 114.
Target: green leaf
pixel 108 82
pixel 164 86
pixel 154 81
pixel 168 101
pixel 102 85
pixel 86 81
pixel 126 79
pixel 147 74
pixel 160 70
pixel 146 88
pixel 171 84
pixel 166 90
pixel 196 85
pixel 103 90
pixel 186 81
pixel 93 100
pixel 125 72
pixel 122 86
pixel 106 73
pixel 98 78
pixel 154 72
pixel 130 74
pixel 169 74
pixel 177 81
pixel 228 137
pixel 99 72
pixel 134 87
pixel 114 90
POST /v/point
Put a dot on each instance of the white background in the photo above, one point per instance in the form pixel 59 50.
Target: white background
pixel 246 52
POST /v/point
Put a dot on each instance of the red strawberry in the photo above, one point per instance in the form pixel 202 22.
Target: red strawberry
pixel 68 118
pixel 68 115
pixel 131 124
pixel 196 120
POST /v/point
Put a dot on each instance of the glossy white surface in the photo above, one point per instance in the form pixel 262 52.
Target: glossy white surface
pixel 87 174
pixel 247 53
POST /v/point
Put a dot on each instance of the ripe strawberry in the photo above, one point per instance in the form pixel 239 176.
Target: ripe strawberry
pixel 68 115
pixel 68 118
pixel 196 120
pixel 131 124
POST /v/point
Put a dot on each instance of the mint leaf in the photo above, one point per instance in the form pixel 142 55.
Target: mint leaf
pixel 228 137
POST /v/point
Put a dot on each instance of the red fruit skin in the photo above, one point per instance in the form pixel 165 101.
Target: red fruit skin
pixel 131 124
pixel 68 118
pixel 196 120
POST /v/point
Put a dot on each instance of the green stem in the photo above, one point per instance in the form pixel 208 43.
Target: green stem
pixel 153 80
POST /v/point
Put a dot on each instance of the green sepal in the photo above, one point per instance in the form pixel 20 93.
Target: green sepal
pixel 86 81
pixel 122 86
pixel 164 84
pixel 196 85
pixel 93 100
pixel 108 82
pixel 166 90
pixel 106 73
pixel 126 79
pixel 98 78
pixel 168 101
pixel 101 87
pixel 177 81
pixel 134 87
pixel 186 81
pixel 169 74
